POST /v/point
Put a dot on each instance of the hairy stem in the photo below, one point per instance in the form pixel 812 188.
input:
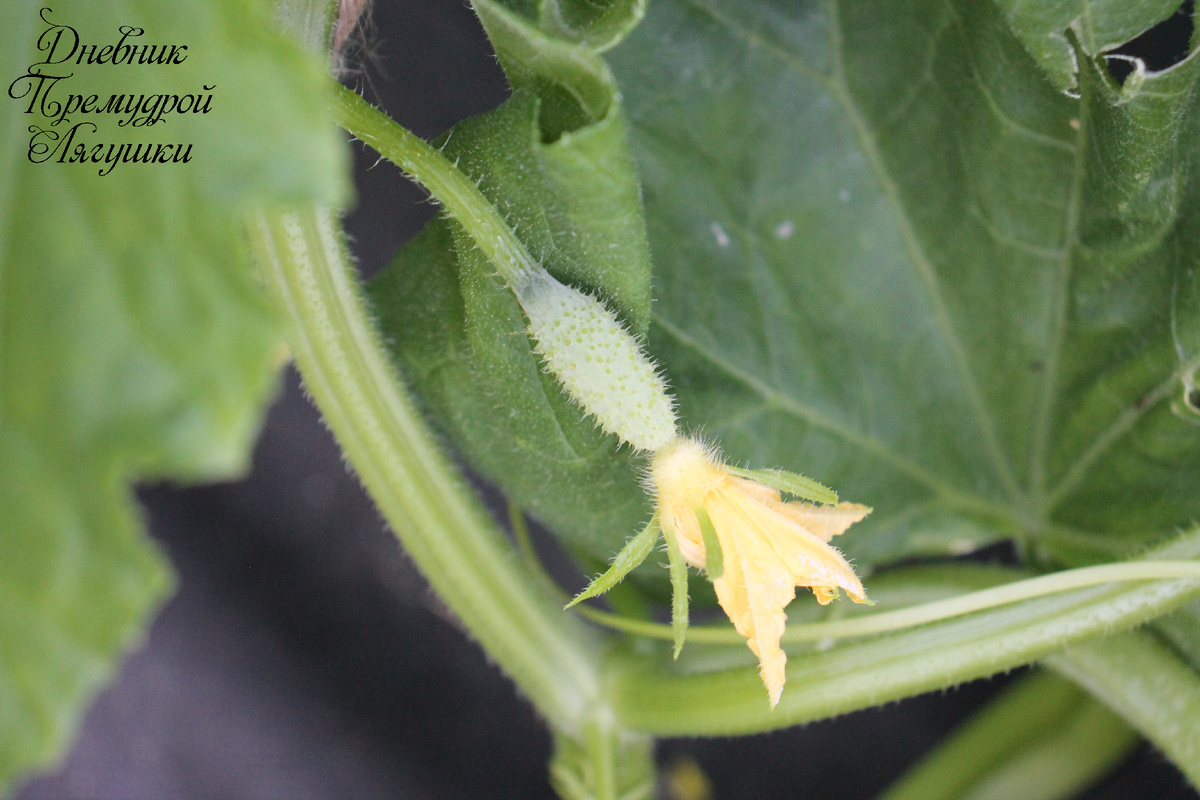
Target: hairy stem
pixel 925 613
pixel 1144 681
pixel 509 606
pixel 654 695
pixel 449 186
pixel 514 614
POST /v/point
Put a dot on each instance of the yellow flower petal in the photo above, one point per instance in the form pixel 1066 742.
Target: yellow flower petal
pixel 825 521
pixel 769 547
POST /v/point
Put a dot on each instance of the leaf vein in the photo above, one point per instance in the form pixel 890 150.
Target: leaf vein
pixel 1049 390
pixel 919 258
pixel 1119 427
pixel 806 413
pixel 1004 239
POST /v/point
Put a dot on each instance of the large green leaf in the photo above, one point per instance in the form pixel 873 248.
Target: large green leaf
pixel 133 339
pixel 890 254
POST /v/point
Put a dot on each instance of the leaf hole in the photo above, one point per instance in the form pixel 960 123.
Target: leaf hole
pixel 1192 398
pixel 1161 47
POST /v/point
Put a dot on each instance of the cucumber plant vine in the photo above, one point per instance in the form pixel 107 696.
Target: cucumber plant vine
pixel 934 254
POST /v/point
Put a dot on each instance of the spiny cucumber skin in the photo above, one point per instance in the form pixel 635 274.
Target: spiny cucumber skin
pixel 601 365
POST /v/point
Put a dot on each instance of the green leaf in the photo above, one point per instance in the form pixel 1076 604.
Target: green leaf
pixel 135 341
pixel 1042 739
pixel 79 582
pixel 890 254
pixel 573 84
pixel 1101 25
pixel 554 160
pixel 598 25
pixel 1148 685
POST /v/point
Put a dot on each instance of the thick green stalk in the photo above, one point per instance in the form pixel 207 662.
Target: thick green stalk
pixel 1042 739
pixel 606 763
pixel 510 607
pixel 514 615
pixel 1153 689
pixel 657 697
pixel 599 363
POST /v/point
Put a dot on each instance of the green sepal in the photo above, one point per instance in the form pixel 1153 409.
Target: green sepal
pixel 714 561
pixel 679 587
pixel 790 483
pixel 635 551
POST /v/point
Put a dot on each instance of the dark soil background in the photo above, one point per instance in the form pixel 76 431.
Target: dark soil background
pixel 304 657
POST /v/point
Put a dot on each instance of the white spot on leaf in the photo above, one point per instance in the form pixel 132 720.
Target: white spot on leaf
pixel 720 235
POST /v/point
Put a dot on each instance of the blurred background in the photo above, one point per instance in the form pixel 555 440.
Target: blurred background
pixel 304 657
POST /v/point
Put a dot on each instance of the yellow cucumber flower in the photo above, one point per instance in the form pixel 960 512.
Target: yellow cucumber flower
pixel 732 523
pixel 766 547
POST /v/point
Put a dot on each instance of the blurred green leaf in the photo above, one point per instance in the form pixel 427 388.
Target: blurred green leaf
pixel 134 343
pixel 1100 25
